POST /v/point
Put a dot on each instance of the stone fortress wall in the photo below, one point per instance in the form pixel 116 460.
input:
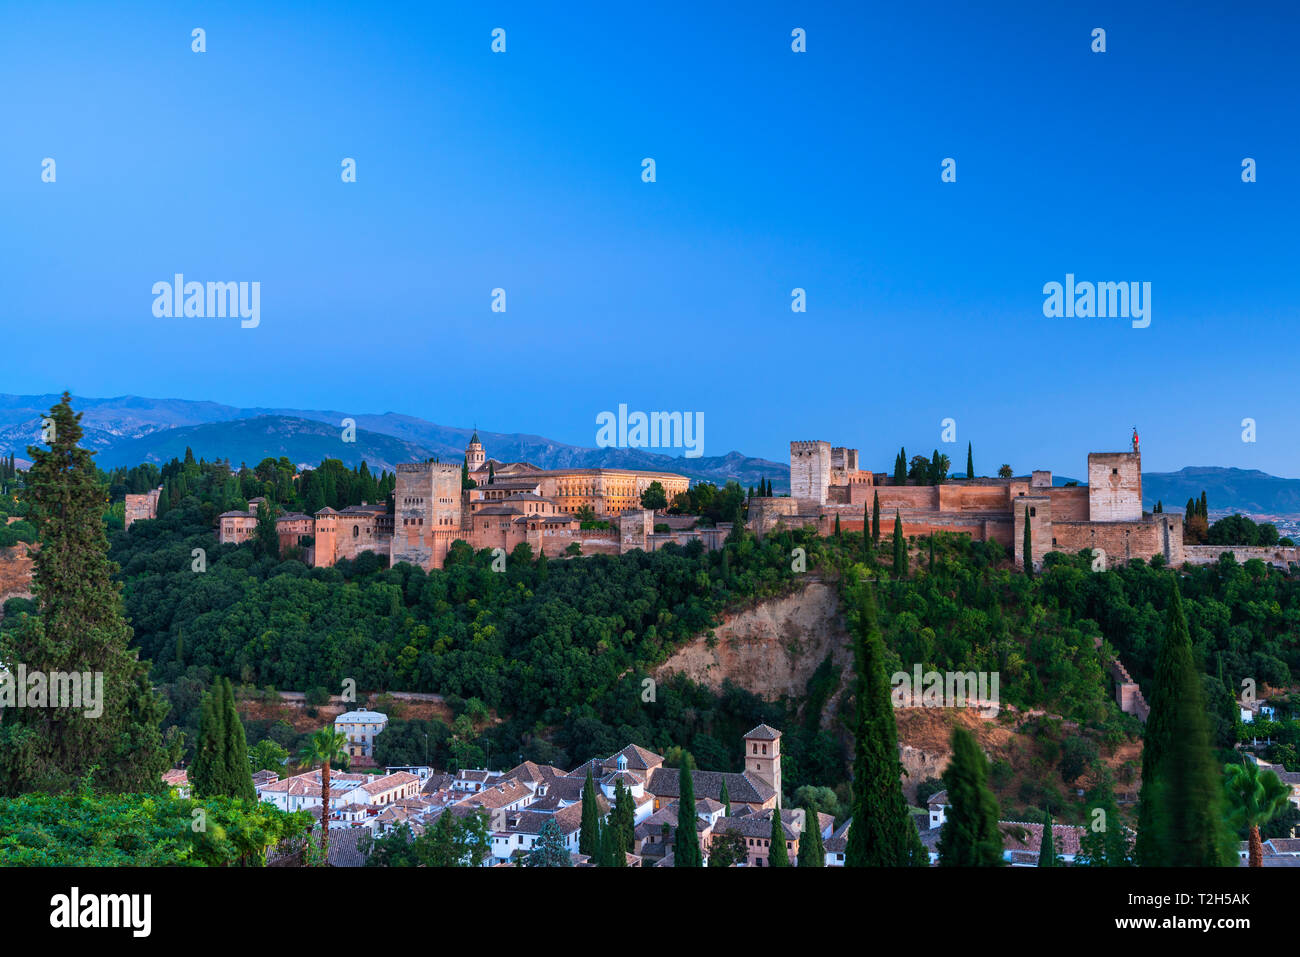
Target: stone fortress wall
pixel 1105 515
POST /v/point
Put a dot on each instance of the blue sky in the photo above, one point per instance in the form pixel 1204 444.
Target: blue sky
pixel 775 170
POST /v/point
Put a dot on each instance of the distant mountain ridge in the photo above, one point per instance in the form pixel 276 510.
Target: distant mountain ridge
pixel 128 430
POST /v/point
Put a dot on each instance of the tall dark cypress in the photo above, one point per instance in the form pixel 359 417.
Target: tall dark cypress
pixel 80 629
pixel 686 844
pixel 838 536
pixel 882 833
pixel 238 770
pixel 875 518
pixel 900 548
pixel 777 854
pixel 812 853
pixel 970 836
pixel 589 835
pixel 1180 807
pixel 868 553
pixel 1047 846
pixel 970 463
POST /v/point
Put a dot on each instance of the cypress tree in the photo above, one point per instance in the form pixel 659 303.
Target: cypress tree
pixel 777 855
pixel 875 518
pixel 970 836
pixel 589 835
pixel 1047 847
pixel 868 553
pixel 811 851
pixel 80 628
pixel 970 463
pixel 1104 842
pixel 900 548
pixel 882 833
pixel 900 467
pixel 725 799
pixel 207 773
pixel 1205 507
pixel 686 843
pixel 1029 547
pixel 1180 807
pixel 838 536
pixel 624 817
pixel 238 770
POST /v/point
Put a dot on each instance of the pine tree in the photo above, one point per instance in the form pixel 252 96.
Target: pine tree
pixel 777 854
pixel 1180 807
pixel 875 518
pixel 80 628
pixel 1028 547
pixel 1047 847
pixel 811 851
pixel 549 851
pixel 970 463
pixel 882 833
pixel 686 843
pixel 900 548
pixel 589 835
pixel 970 836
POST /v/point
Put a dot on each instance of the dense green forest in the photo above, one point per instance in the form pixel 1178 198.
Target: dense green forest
pixel 547 660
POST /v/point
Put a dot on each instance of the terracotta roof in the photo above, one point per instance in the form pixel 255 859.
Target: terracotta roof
pixel 763 733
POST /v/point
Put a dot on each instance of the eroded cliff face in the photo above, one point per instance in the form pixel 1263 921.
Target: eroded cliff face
pixel 772 649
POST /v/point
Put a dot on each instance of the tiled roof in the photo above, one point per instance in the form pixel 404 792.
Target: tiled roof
pixel 938 798
pixel 499 795
pixel 666 782
pixel 343 847
pixel 763 733
pixel 1065 837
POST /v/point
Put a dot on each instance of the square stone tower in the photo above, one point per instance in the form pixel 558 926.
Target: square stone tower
pixel 1114 486
pixel 810 470
pixel 763 756
pixel 426 508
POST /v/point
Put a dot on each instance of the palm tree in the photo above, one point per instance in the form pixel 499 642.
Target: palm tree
pixel 1254 798
pixel 324 747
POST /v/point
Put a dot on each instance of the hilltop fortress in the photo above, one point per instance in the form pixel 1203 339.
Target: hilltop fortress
pixel 512 503
pixel 1106 515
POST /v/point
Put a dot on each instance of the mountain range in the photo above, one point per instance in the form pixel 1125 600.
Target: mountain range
pixel 128 430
